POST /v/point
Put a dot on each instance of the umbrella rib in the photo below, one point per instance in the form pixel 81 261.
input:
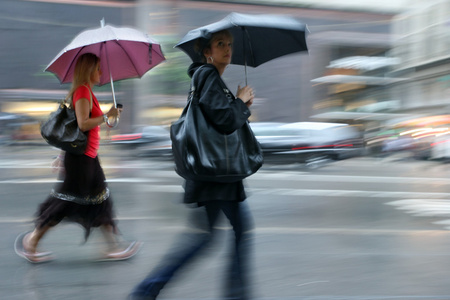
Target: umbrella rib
pixel 249 44
pixel 127 56
pixel 71 64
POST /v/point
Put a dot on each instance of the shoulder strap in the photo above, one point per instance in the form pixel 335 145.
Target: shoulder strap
pixel 194 83
pixel 195 89
pixel 71 103
pixel 91 100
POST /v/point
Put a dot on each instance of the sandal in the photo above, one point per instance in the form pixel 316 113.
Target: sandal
pixel 129 252
pixel 32 257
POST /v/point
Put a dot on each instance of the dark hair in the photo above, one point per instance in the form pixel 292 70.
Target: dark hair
pixel 201 44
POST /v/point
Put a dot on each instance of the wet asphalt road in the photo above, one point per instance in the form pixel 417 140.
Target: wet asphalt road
pixel 364 228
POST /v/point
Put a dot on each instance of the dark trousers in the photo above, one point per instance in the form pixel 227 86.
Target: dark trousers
pixel 189 244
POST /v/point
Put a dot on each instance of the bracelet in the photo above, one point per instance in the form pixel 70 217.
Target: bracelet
pixel 105 118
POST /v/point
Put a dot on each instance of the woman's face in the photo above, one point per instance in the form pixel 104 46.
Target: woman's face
pixel 221 50
pixel 96 74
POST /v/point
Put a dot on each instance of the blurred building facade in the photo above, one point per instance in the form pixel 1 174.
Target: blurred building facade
pixel 409 78
pixel 351 67
pixel 422 44
pixel 283 86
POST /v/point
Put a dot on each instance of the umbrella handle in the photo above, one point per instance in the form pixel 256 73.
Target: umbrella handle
pixel 116 121
pixel 114 124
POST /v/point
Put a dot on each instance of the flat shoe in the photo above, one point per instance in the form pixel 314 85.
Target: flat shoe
pixel 128 253
pixel 36 257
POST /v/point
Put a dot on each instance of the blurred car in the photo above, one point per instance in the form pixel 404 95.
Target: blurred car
pixel 432 144
pixel 17 128
pixel 153 141
pixel 440 148
pixel 377 138
pixel 147 134
pixel 311 143
pixel 398 144
pixel 424 138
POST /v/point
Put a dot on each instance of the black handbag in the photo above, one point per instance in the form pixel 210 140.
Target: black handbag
pixel 202 153
pixel 61 131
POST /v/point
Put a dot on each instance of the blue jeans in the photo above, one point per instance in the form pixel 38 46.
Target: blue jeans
pixel 191 243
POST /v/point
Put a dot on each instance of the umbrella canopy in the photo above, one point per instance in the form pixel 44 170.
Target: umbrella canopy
pixel 124 53
pixel 256 38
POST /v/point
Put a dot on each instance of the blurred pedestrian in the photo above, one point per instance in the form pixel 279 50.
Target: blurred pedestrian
pixel 83 197
pixel 212 198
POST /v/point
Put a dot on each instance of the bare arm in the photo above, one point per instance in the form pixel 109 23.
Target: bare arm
pixel 86 123
pixel 82 111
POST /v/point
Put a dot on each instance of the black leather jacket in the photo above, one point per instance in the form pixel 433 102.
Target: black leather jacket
pixel 222 109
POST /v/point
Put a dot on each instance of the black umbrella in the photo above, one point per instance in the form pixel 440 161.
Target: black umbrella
pixel 257 38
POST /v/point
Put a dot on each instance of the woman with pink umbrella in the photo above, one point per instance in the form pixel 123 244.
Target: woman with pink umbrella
pixel 94 57
pixel 83 197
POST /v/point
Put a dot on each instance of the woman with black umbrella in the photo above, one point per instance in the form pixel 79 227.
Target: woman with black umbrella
pixel 212 198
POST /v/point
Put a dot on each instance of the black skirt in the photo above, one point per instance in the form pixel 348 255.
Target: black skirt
pixel 83 197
